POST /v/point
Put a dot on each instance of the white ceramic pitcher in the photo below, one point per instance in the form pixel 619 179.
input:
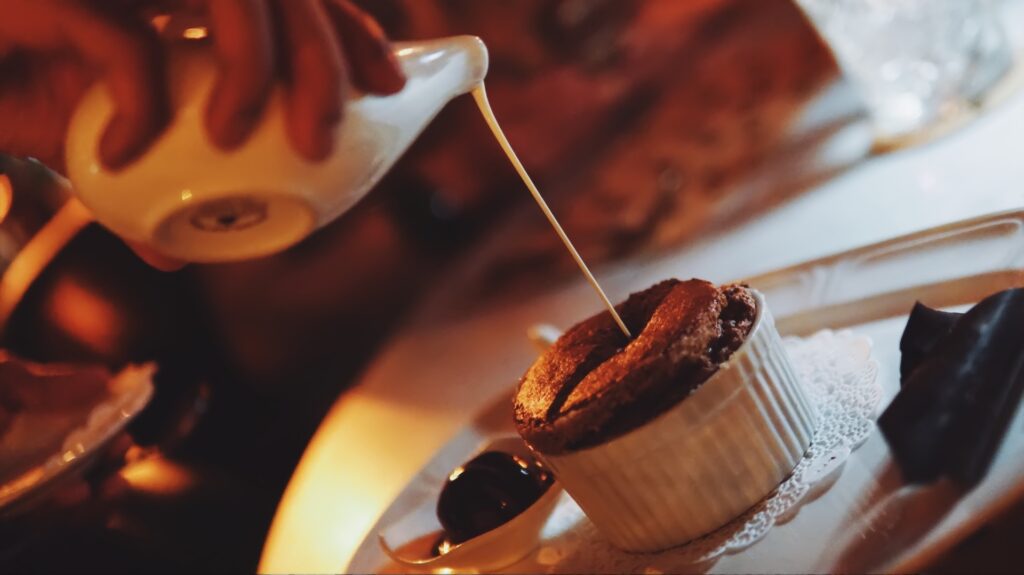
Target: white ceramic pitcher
pixel 188 199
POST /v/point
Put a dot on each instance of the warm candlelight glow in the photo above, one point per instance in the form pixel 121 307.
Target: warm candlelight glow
pixel 38 252
pixel 444 547
pixel 334 523
pixel 85 316
pixel 195 33
pixel 6 194
pixel 455 473
pixel 157 475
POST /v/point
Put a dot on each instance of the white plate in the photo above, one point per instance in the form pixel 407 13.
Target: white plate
pixel 89 428
pixel 866 520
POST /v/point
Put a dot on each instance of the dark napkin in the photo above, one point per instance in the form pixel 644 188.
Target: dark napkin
pixel 962 381
pixel 925 329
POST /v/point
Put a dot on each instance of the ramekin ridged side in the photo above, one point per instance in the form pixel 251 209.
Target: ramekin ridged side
pixel 705 461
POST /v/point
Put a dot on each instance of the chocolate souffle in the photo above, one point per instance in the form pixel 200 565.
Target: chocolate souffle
pixel 667 436
pixel 593 385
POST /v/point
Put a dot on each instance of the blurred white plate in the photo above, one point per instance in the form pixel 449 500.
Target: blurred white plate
pixel 867 520
pixel 44 448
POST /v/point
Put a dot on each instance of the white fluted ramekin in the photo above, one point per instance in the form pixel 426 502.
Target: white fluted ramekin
pixel 703 462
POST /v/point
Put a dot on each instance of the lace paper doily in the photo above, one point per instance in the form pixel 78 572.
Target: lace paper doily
pixel 840 377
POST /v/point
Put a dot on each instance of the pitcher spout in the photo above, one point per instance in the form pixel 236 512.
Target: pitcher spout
pixel 463 61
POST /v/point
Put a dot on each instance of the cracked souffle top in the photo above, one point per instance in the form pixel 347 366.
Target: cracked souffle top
pixel 594 385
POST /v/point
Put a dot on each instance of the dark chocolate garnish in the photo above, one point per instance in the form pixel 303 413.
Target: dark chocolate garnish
pixel 955 406
pixel 488 491
pixel 925 328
